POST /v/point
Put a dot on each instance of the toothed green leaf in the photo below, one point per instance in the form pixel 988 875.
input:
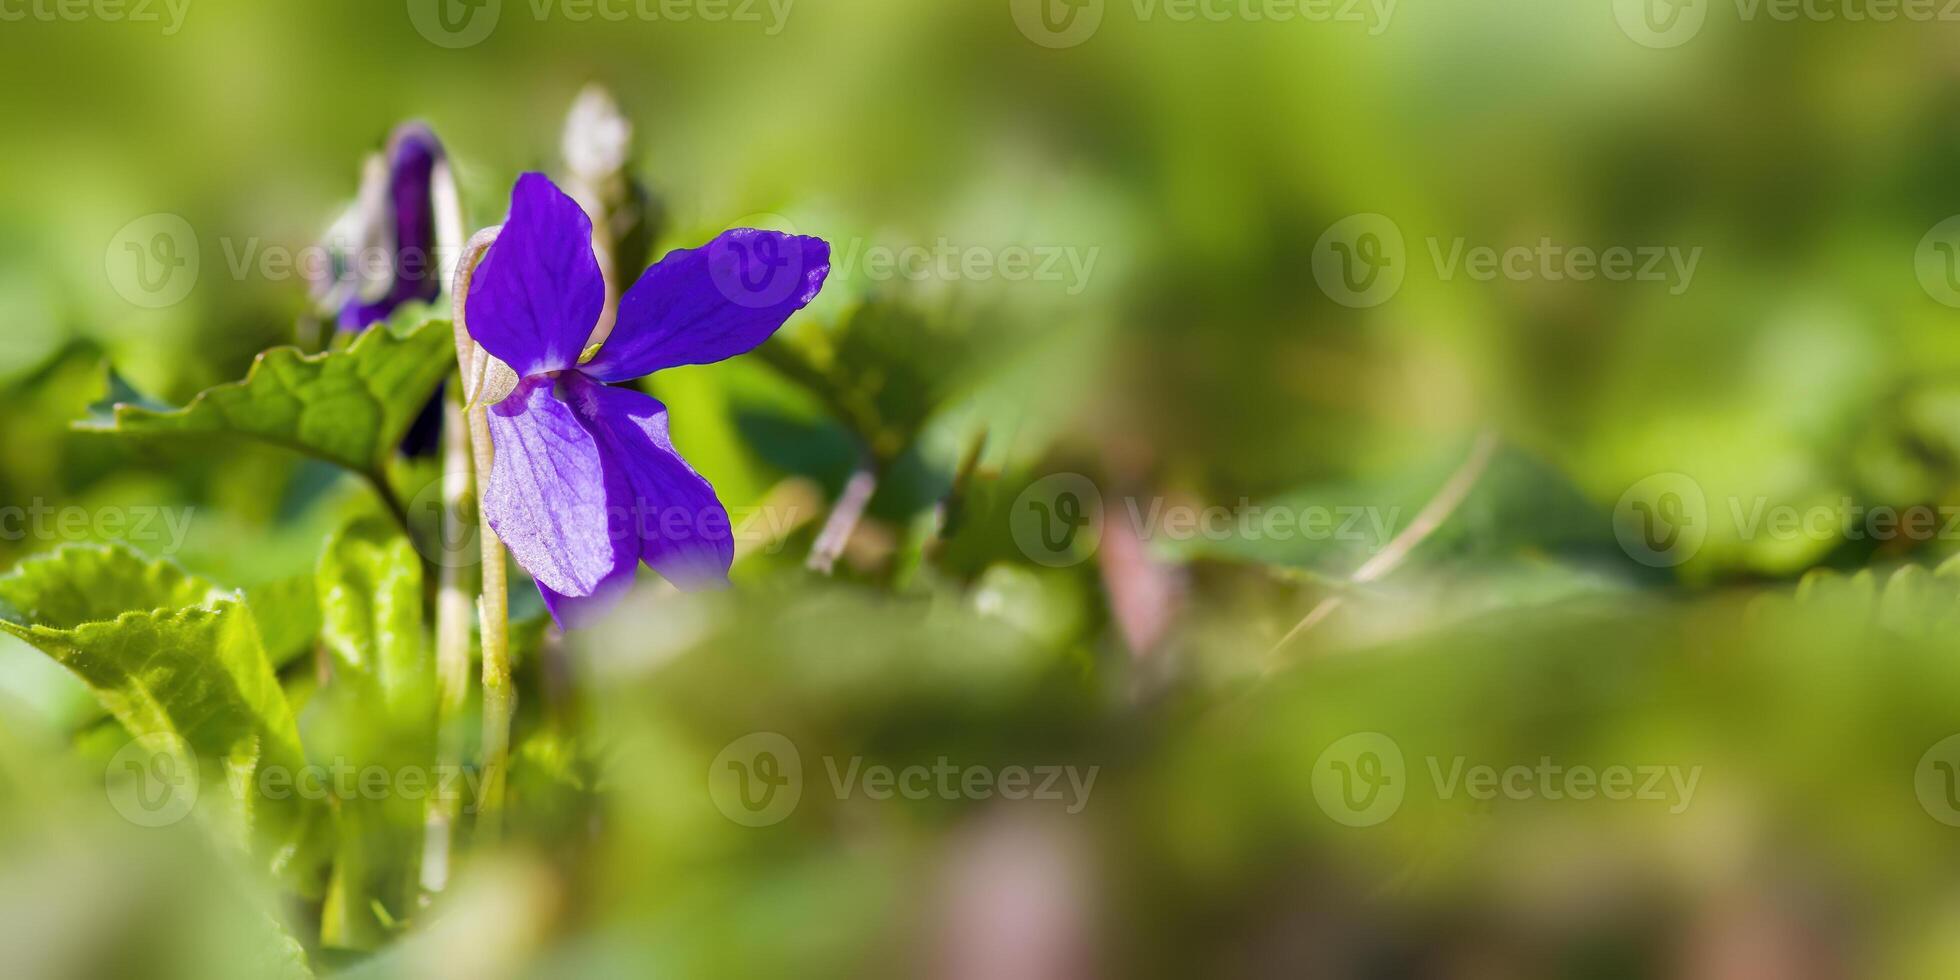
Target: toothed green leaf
pixel 180 665
pixel 82 584
pixel 381 713
pixel 350 407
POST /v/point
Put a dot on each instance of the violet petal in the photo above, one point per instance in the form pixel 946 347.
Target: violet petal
pixel 675 519
pixel 579 612
pixel 701 305
pixel 538 292
pixel 550 496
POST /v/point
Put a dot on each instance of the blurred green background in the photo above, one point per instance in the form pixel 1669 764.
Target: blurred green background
pixel 1192 171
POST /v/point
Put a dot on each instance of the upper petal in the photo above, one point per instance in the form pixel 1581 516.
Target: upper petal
pixel 551 499
pixel 701 305
pixel 538 292
pixel 679 526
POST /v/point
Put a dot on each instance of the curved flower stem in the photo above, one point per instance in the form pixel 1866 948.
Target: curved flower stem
pixel 493 604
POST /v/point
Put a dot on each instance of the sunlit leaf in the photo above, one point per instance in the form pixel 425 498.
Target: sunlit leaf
pixel 179 662
pixel 370 592
pixel 381 715
pixel 350 407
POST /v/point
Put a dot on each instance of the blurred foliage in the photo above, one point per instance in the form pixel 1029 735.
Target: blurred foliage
pixel 1183 358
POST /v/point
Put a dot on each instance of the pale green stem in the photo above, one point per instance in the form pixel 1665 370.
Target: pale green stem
pixel 452 636
pixel 453 596
pixel 499 699
pixel 453 601
pixel 493 605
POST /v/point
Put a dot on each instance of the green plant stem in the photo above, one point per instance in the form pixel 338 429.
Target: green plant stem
pixel 453 601
pixel 493 604
pixel 452 635
pixel 499 700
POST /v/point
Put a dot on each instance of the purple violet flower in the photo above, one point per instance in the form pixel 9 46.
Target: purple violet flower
pixel 586 483
pixel 398 219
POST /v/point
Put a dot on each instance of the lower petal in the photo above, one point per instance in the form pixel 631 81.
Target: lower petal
pixel 579 612
pixel 551 499
pixel 679 525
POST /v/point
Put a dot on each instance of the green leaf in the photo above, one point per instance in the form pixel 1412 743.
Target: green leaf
pixel 288 611
pixel 350 407
pixel 370 592
pixel 80 584
pixel 381 712
pixel 179 664
pixel 120 392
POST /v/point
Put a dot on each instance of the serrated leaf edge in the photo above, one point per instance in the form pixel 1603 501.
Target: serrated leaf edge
pixel 124 411
pixel 212 596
